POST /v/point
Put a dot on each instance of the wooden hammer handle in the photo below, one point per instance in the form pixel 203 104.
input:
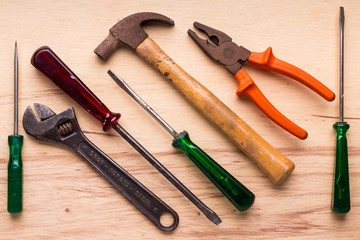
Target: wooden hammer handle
pixel 275 165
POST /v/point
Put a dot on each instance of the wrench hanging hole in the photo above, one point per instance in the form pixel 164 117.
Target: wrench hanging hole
pixel 166 219
pixel 65 129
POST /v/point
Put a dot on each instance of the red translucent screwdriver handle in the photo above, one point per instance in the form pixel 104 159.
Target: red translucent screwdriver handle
pixel 51 65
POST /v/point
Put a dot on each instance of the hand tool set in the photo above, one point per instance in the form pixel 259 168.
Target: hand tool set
pixel 51 65
pixel 63 128
pixel 128 31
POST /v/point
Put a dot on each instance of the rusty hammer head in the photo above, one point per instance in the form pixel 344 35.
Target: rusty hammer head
pixel 128 31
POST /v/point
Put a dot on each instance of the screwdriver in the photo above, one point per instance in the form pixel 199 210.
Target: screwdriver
pixel 341 194
pixel 45 60
pixel 15 166
pixel 238 194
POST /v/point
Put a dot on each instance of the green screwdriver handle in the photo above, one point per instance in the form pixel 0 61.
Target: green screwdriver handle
pixel 238 194
pixel 341 200
pixel 15 174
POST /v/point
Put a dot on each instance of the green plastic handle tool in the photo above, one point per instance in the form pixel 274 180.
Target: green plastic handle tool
pixel 341 194
pixel 341 200
pixel 15 168
pixel 237 193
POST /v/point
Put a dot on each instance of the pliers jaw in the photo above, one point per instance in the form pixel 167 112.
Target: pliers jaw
pixel 216 36
pixel 220 47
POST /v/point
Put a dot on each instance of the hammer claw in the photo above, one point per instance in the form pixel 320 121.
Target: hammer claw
pixel 129 31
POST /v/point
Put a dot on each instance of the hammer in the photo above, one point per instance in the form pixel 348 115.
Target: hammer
pixel 129 32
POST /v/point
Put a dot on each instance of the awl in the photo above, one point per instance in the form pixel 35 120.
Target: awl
pixel 15 166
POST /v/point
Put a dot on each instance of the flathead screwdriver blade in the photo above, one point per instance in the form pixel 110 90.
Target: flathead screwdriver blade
pixel 15 166
pixel 341 192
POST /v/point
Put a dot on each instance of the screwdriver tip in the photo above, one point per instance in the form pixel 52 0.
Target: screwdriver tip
pixel 15 49
pixel 212 216
pixel 119 81
pixel 342 15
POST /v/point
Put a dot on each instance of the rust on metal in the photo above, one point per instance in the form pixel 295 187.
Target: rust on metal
pixel 129 31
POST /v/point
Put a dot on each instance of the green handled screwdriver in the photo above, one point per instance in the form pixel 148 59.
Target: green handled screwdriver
pixel 238 194
pixel 15 171
pixel 341 198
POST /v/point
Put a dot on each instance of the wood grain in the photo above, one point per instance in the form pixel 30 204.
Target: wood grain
pixel 64 198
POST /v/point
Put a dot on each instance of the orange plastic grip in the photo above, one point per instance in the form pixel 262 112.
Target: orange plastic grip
pixel 248 87
pixel 268 61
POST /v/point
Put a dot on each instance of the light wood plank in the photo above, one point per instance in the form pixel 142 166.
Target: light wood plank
pixel 64 198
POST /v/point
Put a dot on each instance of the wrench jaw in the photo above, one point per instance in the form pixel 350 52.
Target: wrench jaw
pixel 43 111
pixel 55 128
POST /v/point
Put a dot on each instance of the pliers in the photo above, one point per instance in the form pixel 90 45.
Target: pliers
pixel 223 50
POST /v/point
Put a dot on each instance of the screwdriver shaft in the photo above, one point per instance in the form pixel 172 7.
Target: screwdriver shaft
pixel 16 90
pixel 142 103
pixel 341 93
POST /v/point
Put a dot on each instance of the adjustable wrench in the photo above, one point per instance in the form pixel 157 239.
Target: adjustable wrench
pixel 64 129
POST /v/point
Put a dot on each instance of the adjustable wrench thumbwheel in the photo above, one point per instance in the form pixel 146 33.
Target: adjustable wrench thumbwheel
pixel 64 129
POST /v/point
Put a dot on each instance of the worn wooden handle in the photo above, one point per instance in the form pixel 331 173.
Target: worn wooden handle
pixel 275 165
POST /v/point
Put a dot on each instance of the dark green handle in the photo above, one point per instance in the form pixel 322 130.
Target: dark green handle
pixel 238 194
pixel 15 177
pixel 341 200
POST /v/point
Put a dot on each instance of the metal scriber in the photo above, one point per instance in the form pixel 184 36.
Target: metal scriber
pixel 241 197
pixel 64 129
pixel 15 141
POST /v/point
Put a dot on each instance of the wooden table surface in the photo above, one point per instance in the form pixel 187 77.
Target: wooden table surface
pixel 64 198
